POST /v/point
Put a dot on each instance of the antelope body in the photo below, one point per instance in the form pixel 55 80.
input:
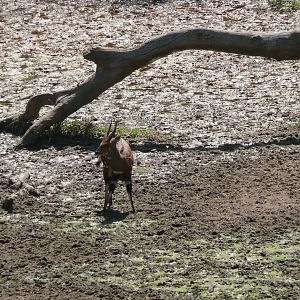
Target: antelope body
pixel 117 158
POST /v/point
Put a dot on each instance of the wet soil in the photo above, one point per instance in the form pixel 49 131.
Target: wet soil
pixel 216 189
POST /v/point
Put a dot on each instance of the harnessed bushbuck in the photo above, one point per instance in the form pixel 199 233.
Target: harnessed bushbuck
pixel 117 158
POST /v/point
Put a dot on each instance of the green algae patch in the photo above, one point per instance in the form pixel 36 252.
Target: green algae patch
pixel 229 267
pixel 215 267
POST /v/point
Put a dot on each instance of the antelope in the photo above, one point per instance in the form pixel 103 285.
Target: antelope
pixel 117 158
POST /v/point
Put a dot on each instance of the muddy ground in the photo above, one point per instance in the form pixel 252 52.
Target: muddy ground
pixel 216 224
pixel 216 188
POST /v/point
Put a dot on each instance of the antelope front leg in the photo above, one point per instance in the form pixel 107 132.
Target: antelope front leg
pixel 129 192
pixel 112 187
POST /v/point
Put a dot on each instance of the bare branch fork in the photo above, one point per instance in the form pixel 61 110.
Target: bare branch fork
pixel 114 65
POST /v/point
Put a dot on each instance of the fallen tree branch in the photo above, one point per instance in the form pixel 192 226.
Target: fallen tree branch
pixel 114 65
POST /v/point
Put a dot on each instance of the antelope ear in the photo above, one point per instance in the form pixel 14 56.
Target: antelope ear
pixel 110 136
pixel 116 139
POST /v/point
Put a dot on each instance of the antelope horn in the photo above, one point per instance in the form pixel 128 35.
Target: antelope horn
pixel 109 128
pixel 116 124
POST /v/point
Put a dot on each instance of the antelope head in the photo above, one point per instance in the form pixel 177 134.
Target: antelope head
pixel 109 142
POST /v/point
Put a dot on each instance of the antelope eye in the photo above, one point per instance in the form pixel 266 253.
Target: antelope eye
pixel 104 149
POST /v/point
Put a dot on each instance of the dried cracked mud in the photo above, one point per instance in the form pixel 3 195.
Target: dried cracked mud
pixel 216 191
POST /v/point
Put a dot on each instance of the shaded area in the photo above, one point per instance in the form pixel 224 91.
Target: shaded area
pixel 159 145
pixel 163 147
pixel 112 215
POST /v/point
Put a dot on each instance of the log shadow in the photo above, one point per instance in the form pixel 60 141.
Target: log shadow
pixel 60 142
pixel 91 144
pixel 230 147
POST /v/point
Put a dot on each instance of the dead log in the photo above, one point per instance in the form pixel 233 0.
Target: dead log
pixel 114 65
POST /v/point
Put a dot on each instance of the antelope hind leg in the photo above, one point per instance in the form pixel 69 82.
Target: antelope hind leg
pixel 106 196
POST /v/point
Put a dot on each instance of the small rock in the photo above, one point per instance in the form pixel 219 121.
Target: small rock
pixel 7 204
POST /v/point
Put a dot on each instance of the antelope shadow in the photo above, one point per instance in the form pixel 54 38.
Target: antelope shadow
pixel 112 216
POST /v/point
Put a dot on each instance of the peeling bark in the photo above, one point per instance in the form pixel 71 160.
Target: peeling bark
pixel 114 65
